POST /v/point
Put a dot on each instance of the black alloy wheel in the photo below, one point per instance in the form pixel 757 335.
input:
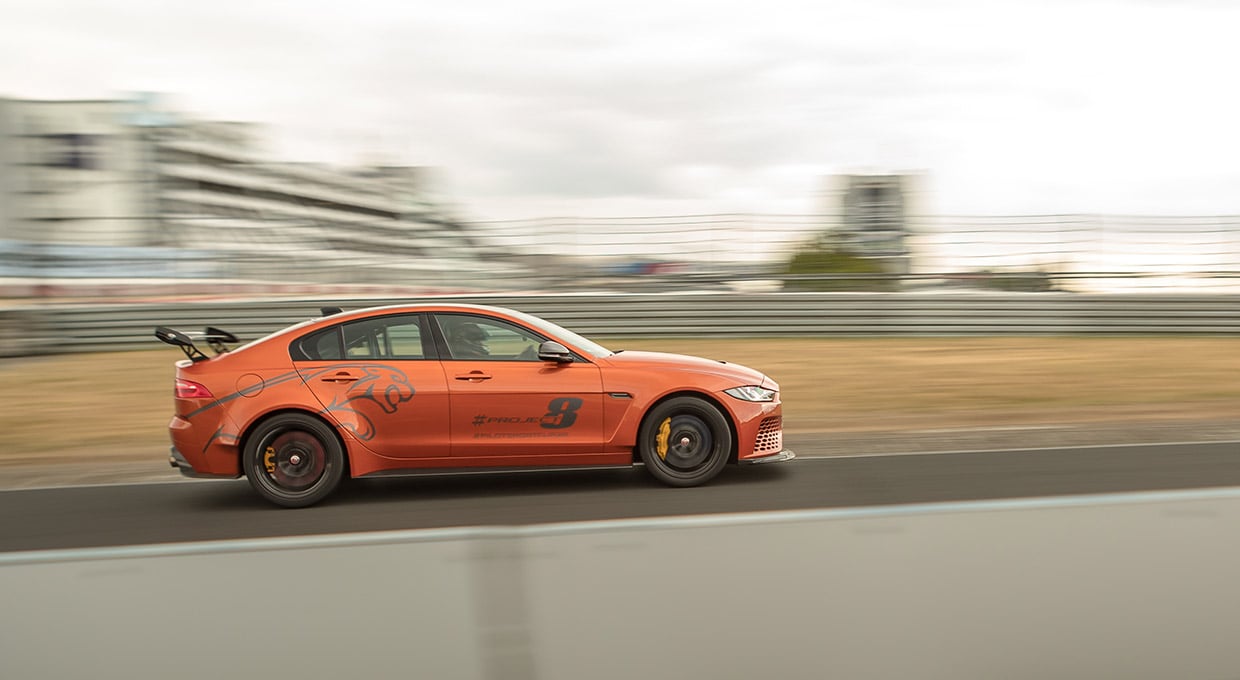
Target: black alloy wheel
pixel 294 460
pixel 685 441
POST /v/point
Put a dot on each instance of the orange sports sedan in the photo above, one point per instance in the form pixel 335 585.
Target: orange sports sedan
pixel 454 388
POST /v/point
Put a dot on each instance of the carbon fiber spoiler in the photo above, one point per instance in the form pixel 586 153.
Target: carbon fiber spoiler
pixel 215 338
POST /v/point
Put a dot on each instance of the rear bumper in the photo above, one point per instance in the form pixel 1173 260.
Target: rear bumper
pixel 176 460
pixel 780 457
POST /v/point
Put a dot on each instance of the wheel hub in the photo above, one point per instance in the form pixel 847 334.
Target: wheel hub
pixel 691 443
pixel 299 460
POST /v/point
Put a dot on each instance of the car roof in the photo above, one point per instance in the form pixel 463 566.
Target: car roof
pixel 418 307
pixel 309 325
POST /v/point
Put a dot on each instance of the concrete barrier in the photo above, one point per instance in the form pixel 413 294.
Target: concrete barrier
pixel 1131 585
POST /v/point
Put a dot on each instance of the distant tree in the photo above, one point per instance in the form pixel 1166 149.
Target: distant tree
pixel 826 264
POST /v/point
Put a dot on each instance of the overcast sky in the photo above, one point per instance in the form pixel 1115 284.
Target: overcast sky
pixel 570 107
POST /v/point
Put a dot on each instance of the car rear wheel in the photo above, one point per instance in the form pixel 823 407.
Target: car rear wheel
pixel 685 441
pixel 294 460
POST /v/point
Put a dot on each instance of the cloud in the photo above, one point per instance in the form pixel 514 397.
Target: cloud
pixel 697 104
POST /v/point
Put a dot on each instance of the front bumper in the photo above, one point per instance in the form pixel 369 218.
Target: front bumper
pixel 780 457
pixel 176 460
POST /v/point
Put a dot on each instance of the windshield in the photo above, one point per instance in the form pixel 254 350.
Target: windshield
pixel 585 344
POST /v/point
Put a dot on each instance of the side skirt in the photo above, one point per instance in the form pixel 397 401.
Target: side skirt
pixel 456 471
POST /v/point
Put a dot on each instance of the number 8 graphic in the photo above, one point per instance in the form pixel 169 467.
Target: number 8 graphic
pixel 561 413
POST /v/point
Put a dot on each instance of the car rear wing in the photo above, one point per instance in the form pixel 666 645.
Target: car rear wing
pixel 215 338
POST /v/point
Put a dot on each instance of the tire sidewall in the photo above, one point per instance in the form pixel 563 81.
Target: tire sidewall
pixel 333 451
pixel 720 432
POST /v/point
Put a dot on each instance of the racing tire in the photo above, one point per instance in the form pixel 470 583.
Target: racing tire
pixel 685 441
pixel 293 460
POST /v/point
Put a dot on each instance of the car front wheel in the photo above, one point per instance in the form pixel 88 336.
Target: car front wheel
pixel 685 441
pixel 294 460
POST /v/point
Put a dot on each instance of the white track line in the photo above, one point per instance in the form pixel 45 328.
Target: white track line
pixel 341 540
pixel 1036 449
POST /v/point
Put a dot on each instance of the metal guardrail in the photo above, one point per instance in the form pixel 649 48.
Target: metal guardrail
pixel 88 328
pixel 1083 253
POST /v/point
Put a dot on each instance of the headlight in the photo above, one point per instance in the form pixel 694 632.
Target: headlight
pixel 751 393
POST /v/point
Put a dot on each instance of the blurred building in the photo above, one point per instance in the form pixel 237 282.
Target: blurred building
pixel 73 174
pixel 869 215
pixel 92 176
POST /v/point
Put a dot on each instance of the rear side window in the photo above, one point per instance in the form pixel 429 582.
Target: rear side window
pixel 321 346
pixel 389 337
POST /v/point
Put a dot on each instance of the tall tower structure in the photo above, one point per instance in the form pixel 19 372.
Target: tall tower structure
pixel 869 216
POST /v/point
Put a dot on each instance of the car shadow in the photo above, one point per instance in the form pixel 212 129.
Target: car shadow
pixel 448 486
pixel 483 486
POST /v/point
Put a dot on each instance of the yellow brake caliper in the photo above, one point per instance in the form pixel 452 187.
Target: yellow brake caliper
pixel 269 460
pixel 665 431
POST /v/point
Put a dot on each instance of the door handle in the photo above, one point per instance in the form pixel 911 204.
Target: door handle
pixel 341 377
pixel 473 375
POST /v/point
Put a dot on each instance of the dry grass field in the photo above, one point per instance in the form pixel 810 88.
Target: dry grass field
pixel 116 406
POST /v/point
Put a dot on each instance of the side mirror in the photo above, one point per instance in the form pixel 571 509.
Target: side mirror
pixel 554 351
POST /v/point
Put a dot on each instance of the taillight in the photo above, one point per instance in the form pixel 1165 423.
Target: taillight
pixel 186 389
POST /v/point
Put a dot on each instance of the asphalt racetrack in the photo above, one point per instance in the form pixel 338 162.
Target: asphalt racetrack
pixel 129 514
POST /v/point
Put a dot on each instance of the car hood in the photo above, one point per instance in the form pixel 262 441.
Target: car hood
pixel 741 375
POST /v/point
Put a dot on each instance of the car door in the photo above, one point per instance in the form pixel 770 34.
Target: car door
pixel 380 379
pixel 506 402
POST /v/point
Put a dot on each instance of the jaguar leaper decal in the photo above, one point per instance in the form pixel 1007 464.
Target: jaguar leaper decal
pixel 379 384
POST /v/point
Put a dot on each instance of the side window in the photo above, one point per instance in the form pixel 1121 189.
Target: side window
pixel 389 337
pixel 360 341
pixel 405 338
pixel 477 338
pixel 320 346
